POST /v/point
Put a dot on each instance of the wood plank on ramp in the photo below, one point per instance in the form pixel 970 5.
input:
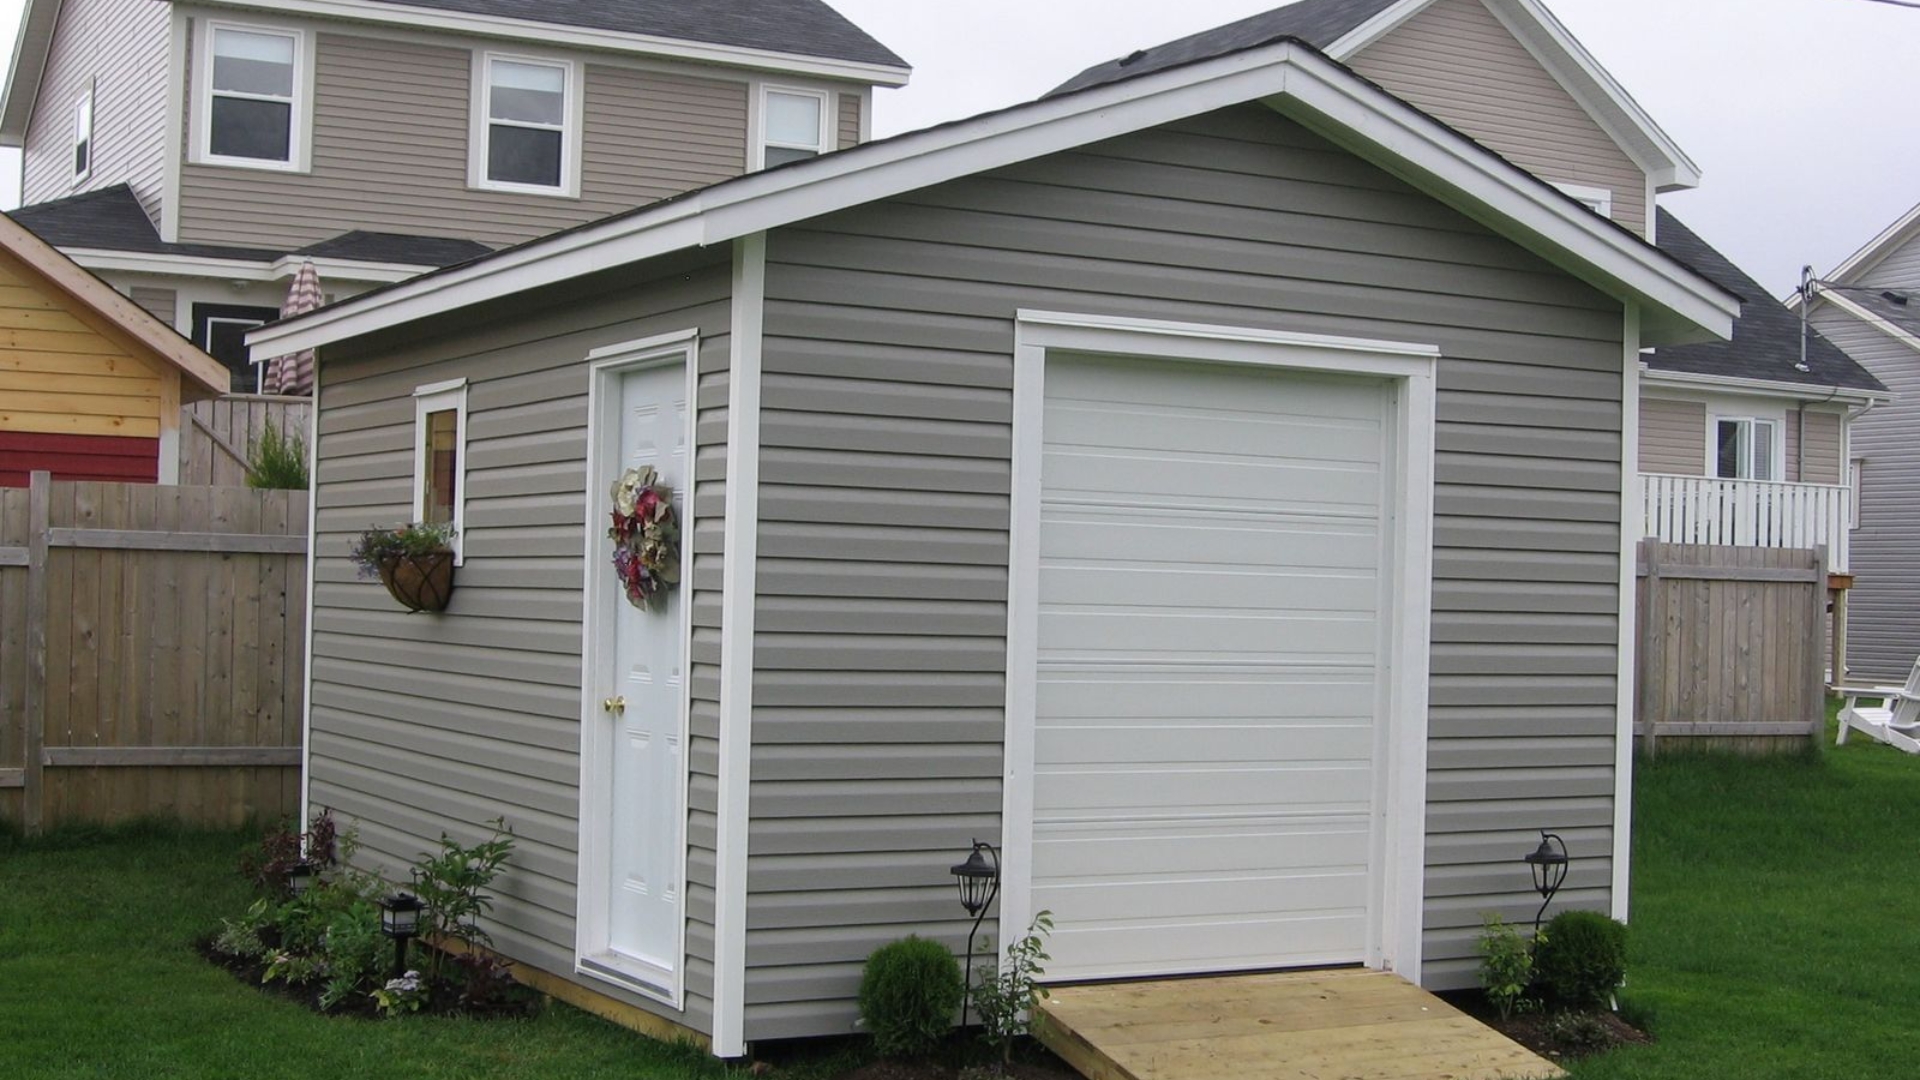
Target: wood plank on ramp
pixel 1346 1024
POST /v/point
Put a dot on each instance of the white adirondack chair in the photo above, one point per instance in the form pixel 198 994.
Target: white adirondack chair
pixel 1894 721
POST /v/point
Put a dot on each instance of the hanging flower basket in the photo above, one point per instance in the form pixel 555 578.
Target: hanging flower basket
pixel 646 538
pixel 414 562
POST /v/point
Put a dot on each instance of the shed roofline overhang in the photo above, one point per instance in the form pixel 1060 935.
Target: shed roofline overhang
pixel 1680 305
pixel 1689 380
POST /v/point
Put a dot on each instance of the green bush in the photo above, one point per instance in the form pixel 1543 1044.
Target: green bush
pixel 1582 960
pixel 278 461
pixel 908 996
pixel 355 949
pixel 1506 966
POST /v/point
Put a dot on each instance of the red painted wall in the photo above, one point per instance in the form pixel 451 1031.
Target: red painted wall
pixel 78 457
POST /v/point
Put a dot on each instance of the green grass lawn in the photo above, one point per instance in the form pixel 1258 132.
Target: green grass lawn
pixel 1774 937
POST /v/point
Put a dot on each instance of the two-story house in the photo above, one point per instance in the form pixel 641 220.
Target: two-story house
pixel 195 154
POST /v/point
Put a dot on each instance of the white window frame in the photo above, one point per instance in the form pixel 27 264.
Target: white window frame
pixel 1597 199
pixel 299 134
pixel 83 109
pixel 433 398
pixel 762 141
pixel 1779 446
pixel 480 126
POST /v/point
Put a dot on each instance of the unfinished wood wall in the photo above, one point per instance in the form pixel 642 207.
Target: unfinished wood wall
pixel 152 642
pixel 217 435
pixel 1732 647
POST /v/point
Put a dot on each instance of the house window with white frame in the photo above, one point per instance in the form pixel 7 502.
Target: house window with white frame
pixel 1746 448
pixel 440 457
pixel 252 88
pixel 83 136
pixel 1597 199
pixel 793 125
pixel 526 129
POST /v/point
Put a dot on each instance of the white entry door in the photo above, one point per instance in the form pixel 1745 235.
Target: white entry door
pixel 636 795
pixel 1210 643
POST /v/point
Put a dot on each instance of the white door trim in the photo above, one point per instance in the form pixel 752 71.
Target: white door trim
pixel 606 365
pixel 1401 829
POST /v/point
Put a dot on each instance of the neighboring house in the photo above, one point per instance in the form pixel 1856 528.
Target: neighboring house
pixel 195 155
pixel 90 385
pixel 1870 307
pixel 1312 619
pixel 1745 442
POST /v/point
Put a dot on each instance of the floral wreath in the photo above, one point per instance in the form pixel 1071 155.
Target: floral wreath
pixel 646 537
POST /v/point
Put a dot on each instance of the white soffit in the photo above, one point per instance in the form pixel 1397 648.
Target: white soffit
pixel 1291 78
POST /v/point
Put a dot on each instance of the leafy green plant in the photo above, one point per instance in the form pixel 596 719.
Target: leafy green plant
pixel 267 864
pixel 376 546
pixel 486 981
pixel 1579 1032
pixel 277 461
pixel 908 996
pixel 295 969
pixel 353 947
pixel 241 938
pixel 1005 998
pixel 452 883
pixel 1582 959
pixel 406 994
pixel 1506 966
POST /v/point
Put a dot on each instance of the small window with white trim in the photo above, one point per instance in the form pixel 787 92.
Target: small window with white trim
pixel 1856 481
pixel 793 125
pixel 440 457
pixel 83 136
pixel 526 127
pixel 1746 448
pixel 253 90
pixel 1597 199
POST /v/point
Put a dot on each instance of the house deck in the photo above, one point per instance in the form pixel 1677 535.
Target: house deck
pixel 1347 1024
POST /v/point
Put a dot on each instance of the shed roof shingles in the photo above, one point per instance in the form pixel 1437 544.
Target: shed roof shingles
pixel 1766 337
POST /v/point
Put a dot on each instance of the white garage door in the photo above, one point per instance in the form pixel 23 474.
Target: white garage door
pixel 1209 653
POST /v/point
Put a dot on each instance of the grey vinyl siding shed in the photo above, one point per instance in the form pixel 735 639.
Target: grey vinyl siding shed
pixel 884 485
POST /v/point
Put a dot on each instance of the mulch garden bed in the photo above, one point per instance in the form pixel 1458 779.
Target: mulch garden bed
pixel 962 1057
pixel 1551 1035
pixel 519 1001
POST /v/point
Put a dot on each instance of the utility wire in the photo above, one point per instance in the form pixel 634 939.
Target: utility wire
pixel 1897 3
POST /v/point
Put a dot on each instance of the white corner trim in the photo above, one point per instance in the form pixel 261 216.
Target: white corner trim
pixel 736 645
pixel 555 34
pixel 1412 370
pixel 176 115
pixel 1625 697
pixel 429 399
pixel 606 366
pixel 1852 307
pixel 313 556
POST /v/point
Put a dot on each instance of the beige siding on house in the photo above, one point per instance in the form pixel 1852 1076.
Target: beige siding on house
pixel 849 121
pixel 429 723
pixel 1822 448
pixel 390 137
pixel 880 664
pixel 121 47
pixel 159 303
pixel 1457 61
pixel 1673 437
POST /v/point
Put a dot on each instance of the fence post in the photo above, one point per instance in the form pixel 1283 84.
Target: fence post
pixel 1652 648
pixel 1816 650
pixel 39 506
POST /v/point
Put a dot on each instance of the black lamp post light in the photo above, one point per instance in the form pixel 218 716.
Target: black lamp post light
pixel 1549 865
pixel 301 876
pixel 979 881
pixel 400 920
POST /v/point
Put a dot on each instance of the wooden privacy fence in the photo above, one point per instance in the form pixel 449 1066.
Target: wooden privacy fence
pixel 217 435
pixel 152 642
pixel 1731 646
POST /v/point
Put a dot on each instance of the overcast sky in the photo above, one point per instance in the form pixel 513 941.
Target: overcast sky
pixel 1804 115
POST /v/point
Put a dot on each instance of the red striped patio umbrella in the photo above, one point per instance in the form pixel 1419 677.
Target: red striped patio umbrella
pixel 293 373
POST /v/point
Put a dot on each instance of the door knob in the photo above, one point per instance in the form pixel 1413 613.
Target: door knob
pixel 615 704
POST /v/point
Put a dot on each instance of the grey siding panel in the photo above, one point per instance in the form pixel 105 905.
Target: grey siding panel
pixel 121 47
pixel 1818 454
pixel 849 122
pixel 877 750
pixel 1898 269
pixel 428 724
pixel 1673 437
pixel 159 303
pixel 648 135
pixel 1883 630
pixel 1456 61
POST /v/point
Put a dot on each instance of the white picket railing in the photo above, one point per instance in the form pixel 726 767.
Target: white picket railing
pixel 1748 513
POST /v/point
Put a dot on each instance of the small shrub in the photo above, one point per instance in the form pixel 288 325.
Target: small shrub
pixel 267 864
pixel 241 937
pixel 908 996
pixel 354 948
pixel 295 969
pixel 1506 966
pixel 1579 1033
pixel 485 980
pixel 406 994
pixel 1582 959
pixel 452 882
pixel 1005 998
pixel 277 461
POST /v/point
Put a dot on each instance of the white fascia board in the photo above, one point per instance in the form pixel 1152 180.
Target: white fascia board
pixel 1853 308
pixel 555 34
pixel 132 262
pixel 1654 377
pixel 1295 80
pixel 32 44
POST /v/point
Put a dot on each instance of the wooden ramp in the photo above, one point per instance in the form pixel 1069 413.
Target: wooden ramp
pixel 1348 1024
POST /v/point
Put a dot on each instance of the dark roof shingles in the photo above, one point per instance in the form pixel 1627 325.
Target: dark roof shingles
pixel 1766 336
pixel 801 27
pixel 1319 23
pixel 1903 313
pixel 363 246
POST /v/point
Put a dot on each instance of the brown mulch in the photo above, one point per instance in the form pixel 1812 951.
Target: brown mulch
pixel 1048 1068
pixel 1537 1032
pixel 444 1002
